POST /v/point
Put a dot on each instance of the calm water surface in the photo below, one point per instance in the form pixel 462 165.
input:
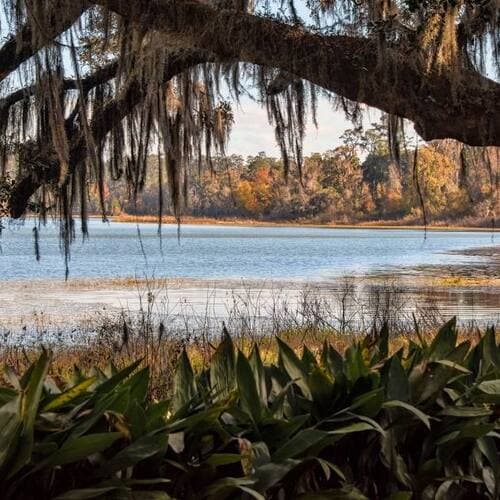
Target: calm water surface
pixel 310 254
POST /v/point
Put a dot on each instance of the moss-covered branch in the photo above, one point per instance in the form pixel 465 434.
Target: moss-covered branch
pixel 448 102
pixel 46 168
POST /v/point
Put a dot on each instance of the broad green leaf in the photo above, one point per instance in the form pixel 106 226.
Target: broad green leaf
pixel 222 369
pixel 260 454
pixel 203 419
pixel 247 390
pixel 12 378
pixel 259 373
pixel 269 474
pixel 445 340
pixel 110 384
pixel 223 458
pixel 28 409
pixel 419 335
pixel 489 449
pixel 443 491
pixel 490 387
pixel 70 395
pixel 401 495
pixel 221 488
pixel 332 361
pixel 383 341
pixel 450 436
pixel 366 404
pixel 354 365
pixel 392 456
pixel 476 430
pixel 299 444
pixel 103 404
pixel 376 426
pixel 85 493
pixel 466 411
pixel 435 377
pixel 156 415
pixel 356 427
pixel 491 351
pixel 6 394
pixel 308 359
pixel 412 409
pixel 398 385
pixel 136 420
pixel 82 447
pixel 280 430
pixel 452 364
pixel 184 385
pixel 144 482
pixel 140 449
pixel 25 377
pixel 489 479
pixel 294 367
pixel 321 387
pixel 372 405
pixel 10 428
pixel 328 466
pixel 282 398
pixel 138 385
pixel 252 493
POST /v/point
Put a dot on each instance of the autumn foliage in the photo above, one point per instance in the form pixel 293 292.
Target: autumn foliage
pixel 356 181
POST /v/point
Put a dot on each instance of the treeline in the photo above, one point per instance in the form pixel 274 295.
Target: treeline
pixel 357 181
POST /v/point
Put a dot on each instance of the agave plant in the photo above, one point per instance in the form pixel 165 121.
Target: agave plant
pixel 421 422
pixel 86 431
pixel 416 424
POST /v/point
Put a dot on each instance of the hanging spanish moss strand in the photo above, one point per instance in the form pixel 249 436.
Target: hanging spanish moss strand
pixel 419 190
pixel 36 241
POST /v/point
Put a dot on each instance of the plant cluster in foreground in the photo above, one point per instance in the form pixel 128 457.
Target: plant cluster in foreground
pixel 422 423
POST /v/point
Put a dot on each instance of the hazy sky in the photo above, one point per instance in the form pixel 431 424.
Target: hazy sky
pixel 252 132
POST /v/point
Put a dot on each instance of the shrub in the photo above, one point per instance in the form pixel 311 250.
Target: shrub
pixel 419 423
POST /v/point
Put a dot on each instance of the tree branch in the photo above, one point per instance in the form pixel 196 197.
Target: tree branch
pixel 89 82
pixel 23 45
pixel 455 103
pixel 103 121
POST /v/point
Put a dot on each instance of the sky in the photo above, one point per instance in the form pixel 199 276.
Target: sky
pixel 252 133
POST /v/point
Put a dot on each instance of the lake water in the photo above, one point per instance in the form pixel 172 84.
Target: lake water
pixel 217 252
pixel 239 274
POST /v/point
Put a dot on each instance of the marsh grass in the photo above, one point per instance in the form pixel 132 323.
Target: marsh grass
pixel 160 329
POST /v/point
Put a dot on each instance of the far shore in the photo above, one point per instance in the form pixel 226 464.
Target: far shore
pixel 387 225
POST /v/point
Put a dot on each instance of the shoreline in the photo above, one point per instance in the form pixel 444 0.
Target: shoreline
pixel 475 273
pixel 238 222
pixel 469 290
pixel 52 311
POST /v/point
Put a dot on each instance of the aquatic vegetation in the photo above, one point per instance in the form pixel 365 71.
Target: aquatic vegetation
pixel 419 423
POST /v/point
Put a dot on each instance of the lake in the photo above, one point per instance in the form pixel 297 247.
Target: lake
pixel 115 250
pixel 242 274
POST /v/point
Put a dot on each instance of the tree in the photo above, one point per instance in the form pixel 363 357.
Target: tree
pixel 437 177
pixel 69 119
